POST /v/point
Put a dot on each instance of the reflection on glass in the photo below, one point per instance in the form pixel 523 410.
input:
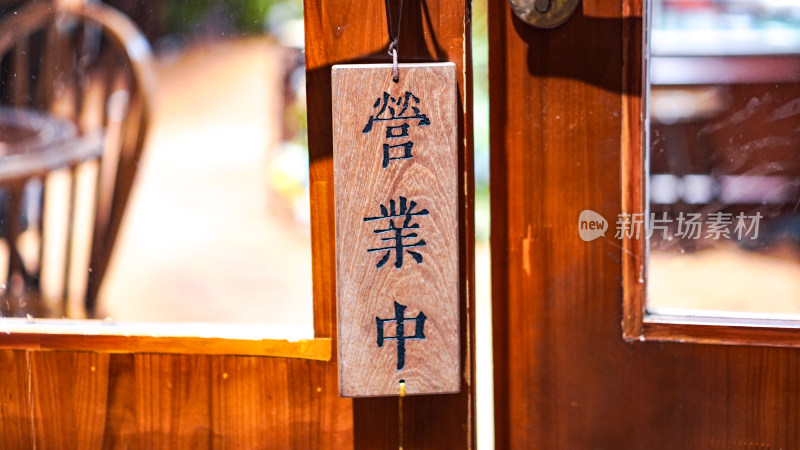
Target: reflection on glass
pixel 217 227
pixel 724 158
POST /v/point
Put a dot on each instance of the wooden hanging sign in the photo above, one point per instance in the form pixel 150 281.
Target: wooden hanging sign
pixel 395 172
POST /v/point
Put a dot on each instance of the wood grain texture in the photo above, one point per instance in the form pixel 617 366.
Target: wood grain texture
pixel 69 396
pixel 632 172
pixel 275 401
pixel 388 198
pixel 348 32
pixel 564 375
pixel 637 323
pixel 317 349
pixel 16 423
pixel 93 400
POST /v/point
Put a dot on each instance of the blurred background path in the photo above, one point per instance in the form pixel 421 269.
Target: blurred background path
pixel 201 241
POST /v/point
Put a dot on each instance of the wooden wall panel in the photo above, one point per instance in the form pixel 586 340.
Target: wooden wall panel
pixel 68 392
pixel 173 401
pixel 93 400
pixel 16 426
pixel 564 376
pixel 143 400
pixel 122 427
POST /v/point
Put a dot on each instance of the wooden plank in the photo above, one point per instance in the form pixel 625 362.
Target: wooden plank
pixel 92 400
pixel 351 31
pixel 69 398
pixel 317 349
pixel 601 9
pixel 395 168
pixel 173 401
pixel 240 389
pixel 16 424
pixel 319 418
pixel 633 157
pixel 564 376
pixel 181 401
pixel 121 425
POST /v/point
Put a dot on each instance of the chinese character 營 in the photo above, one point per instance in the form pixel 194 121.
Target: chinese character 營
pixel 405 213
pixel 397 109
pixel 400 335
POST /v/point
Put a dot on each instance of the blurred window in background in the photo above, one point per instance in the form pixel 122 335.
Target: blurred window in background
pixel 724 158
pixel 218 226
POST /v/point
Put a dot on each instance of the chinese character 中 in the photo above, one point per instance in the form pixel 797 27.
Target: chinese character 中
pixel 397 109
pixel 400 335
pixel 396 228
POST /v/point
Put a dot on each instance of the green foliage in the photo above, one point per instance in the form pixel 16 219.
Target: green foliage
pixel 240 16
pixel 480 64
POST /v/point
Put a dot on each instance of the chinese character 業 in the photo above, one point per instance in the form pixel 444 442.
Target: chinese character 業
pixel 399 220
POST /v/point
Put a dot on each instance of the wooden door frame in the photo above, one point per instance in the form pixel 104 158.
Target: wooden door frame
pixel 564 104
pixel 637 322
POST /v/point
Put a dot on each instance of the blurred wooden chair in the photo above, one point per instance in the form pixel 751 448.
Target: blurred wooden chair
pixel 88 65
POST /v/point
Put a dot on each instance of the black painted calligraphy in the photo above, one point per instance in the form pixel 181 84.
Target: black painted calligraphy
pixel 399 242
pixel 396 110
pixel 400 331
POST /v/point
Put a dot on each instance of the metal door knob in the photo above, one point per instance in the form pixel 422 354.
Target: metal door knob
pixel 544 13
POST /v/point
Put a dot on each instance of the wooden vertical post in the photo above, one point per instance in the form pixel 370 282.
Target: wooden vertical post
pixel 351 31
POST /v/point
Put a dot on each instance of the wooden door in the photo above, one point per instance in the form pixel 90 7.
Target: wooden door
pixel 83 391
pixel 565 109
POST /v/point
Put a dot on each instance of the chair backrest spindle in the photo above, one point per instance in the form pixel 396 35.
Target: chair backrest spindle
pixel 86 64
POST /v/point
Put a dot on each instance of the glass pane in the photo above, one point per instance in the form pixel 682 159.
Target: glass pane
pixel 217 226
pixel 724 158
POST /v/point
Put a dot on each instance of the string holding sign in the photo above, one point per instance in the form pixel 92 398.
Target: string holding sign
pixel 395 157
pixel 394 37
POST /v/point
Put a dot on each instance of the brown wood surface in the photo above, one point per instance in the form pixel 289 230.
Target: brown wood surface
pixel 203 401
pixel 93 400
pixel 69 338
pixel 632 167
pixel 564 376
pixel 409 189
pixel 638 323
pixel 352 31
